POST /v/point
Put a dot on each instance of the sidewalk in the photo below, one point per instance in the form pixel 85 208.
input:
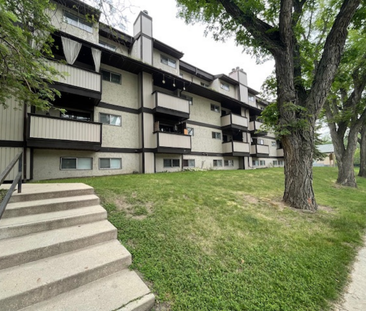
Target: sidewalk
pixel 354 298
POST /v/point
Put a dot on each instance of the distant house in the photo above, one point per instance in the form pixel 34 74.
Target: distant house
pixel 329 160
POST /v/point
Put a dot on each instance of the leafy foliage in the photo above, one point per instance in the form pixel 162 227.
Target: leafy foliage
pixel 25 45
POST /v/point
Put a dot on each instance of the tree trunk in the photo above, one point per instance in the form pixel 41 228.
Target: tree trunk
pixel 298 153
pixel 345 155
pixel 298 143
pixel 362 171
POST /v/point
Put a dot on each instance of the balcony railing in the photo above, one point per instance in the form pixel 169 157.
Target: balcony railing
pixel 280 152
pixel 51 132
pixel 235 148
pixel 255 126
pixel 171 105
pixel 234 121
pixel 173 142
pixel 78 77
pixel 259 149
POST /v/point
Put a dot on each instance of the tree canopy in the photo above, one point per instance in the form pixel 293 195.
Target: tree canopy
pixel 289 31
pixel 25 44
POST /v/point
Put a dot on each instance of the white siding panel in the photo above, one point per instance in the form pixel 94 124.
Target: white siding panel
pixel 6 156
pixel 11 121
pixel 50 128
pixel 78 77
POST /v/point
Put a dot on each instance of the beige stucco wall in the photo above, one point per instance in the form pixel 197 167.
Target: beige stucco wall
pixel 147 90
pixel 149 163
pixel 202 140
pixel 47 164
pixel 216 85
pixel 206 162
pixel 159 160
pixel 124 136
pixel 120 49
pixel 158 64
pixel 124 94
pixel 57 21
pixel 201 110
pixel 149 137
pixel 11 121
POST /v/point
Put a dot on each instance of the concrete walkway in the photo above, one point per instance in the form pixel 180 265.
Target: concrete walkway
pixel 354 298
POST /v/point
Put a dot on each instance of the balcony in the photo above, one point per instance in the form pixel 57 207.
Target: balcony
pixel 234 122
pixel 78 81
pixel 235 148
pixel 59 133
pixel 259 150
pixel 279 152
pixel 173 143
pixel 175 107
pixel 255 127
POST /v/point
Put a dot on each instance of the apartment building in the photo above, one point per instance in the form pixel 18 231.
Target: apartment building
pixel 133 105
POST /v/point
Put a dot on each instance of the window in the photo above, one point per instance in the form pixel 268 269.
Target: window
pixel 168 61
pixel 77 21
pixel 262 162
pixel 281 162
pixel 110 119
pixel 215 108
pixel 255 162
pixel 217 163
pixel 76 163
pixel 110 163
pixel 274 144
pixel 225 86
pixel 111 77
pixel 171 163
pixel 189 163
pixel 260 142
pixel 251 98
pixel 204 84
pixel 216 135
pixel 275 162
pixel 229 163
pixel 107 45
pixel 190 131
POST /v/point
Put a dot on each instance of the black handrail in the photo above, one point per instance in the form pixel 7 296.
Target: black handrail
pixel 17 180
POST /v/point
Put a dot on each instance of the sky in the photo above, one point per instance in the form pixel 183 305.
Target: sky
pixel 200 51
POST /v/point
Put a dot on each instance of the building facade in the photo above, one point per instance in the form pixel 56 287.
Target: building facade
pixel 133 105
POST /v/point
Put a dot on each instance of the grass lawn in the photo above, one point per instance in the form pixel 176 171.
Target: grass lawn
pixel 222 240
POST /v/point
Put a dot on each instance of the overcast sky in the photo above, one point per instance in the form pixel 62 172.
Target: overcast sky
pixel 200 51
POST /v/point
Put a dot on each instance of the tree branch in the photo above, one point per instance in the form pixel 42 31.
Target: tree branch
pixel 260 30
pixel 329 62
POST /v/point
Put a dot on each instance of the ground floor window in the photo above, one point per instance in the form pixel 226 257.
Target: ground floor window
pixel 189 163
pixel 229 163
pixel 76 163
pixel 262 162
pixel 110 163
pixel 217 163
pixel 171 163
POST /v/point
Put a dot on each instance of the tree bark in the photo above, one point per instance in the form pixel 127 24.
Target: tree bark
pixel 362 171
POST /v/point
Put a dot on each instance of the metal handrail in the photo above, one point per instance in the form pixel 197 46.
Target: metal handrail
pixel 17 180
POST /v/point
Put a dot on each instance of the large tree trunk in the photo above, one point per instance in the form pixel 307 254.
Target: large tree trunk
pixel 298 153
pixel 362 171
pixel 298 143
pixel 346 172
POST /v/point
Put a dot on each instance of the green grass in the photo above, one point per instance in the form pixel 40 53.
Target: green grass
pixel 222 240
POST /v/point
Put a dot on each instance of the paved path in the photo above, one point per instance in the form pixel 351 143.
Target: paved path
pixel 354 298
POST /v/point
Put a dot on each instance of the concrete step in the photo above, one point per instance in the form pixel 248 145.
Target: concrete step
pixel 31 192
pixel 32 247
pixel 49 205
pixel 34 282
pixel 123 289
pixel 19 226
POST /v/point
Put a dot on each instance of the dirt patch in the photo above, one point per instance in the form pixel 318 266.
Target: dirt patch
pixel 138 211
pixel 326 209
pixel 250 199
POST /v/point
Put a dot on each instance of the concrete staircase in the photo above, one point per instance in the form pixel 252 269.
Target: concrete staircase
pixel 59 252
